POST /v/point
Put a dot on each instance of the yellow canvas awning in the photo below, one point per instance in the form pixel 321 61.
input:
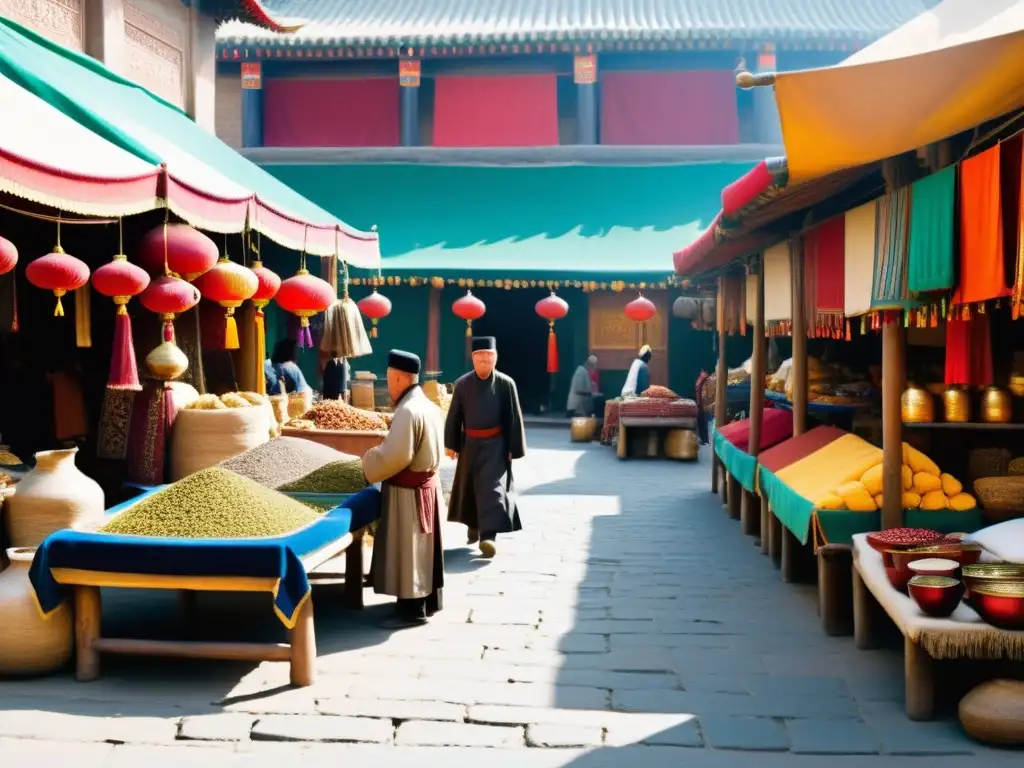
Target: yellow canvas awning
pixel 945 71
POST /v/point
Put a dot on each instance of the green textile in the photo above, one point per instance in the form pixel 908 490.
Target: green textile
pixel 931 232
pixel 792 510
pixel 132 118
pixel 839 525
pixel 550 222
pixel 738 463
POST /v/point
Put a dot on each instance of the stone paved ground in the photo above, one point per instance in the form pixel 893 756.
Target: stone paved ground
pixel 629 622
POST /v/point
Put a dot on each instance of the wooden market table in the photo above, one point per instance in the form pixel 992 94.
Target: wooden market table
pixel 659 423
pixel 964 635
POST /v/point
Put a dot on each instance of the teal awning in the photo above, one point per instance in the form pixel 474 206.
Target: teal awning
pixel 606 222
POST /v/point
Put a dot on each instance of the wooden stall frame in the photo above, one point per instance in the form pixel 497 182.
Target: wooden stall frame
pixel 300 651
pixel 750 507
pixel 721 391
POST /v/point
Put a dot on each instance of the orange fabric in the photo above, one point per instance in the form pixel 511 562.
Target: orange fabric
pixel 982 269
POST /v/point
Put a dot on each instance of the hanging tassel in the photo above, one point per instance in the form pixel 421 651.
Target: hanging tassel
pixel 848 335
pixel 58 311
pixel 934 319
pixel 552 349
pixel 373 328
pixel 261 352
pixel 305 336
pixel 981 308
pixel 230 330
pixel 169 328
pixel 469 329
pixel 124 372
pixel 83 317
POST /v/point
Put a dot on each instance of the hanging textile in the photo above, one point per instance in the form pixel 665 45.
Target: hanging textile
pixel 982 265
pixel 892 227
pixel 751 291
pixel 735 288
pixel 778 290
pixel 930 255
pixel 331 112
pixel 859 259
pixel 824 247
pixel 969 351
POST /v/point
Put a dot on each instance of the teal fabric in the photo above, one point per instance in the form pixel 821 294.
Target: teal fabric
pixel 792 510
pixel 738 463
pixel 890 289
pixel 839 526
pixel 598 223
pixel 932 214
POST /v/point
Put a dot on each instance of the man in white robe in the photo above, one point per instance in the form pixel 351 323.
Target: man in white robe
pixel 408 557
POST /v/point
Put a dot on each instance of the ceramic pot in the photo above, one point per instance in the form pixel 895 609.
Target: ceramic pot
pixel 917 406
pixel 29 643
pixel 1017 384
pixel 996 406
pixel 53 496
pixel 956 405
pixel 167 362
pixel 582 429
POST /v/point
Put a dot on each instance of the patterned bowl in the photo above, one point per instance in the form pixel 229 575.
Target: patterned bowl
pixel 1001 604
pixel 901 538
pixel 982 574
pixel 964 554
pixel 937 596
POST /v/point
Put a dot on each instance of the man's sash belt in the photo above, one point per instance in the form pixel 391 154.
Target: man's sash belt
pixel 483 434
pixel 425 484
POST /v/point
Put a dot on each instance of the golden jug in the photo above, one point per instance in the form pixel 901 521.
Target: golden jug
pixel 1017 384
pixel 917 405
pixel 956 405
pixel 996 406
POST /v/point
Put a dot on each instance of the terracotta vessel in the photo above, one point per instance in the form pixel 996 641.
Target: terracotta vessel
pixel 917 406
pixel 53 496
pixel 996 406
pixel 956 405
pixel 29 643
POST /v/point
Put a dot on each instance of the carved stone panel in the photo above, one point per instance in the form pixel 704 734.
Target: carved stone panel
pixel 59 20
pixel 155 53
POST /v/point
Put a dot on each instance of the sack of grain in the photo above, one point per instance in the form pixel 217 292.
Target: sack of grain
pixel 200 439
pixel 279 406
pixel 362 395
pixel 299 403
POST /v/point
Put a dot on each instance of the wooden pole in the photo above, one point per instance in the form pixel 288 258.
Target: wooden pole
pixel 88 617
pixel 721 379
pixel 799 370
pixel 893 374
pixel 303 642
pixel 750 513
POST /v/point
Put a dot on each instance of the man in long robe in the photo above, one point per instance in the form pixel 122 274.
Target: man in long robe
pixel 485 432
pixel 638 379
pixel 408 557
pixel 582 390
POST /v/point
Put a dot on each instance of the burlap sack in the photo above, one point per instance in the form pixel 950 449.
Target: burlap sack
pixel 299 403
pixel 200 439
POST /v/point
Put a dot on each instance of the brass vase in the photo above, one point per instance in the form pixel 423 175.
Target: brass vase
pixel 917 406
pixel 956 405
pixel 996 406
pixel 1017 384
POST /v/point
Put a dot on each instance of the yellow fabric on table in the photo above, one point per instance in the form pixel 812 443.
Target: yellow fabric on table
pixel 841 461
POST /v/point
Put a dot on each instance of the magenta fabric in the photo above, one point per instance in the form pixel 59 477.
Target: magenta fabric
pixel 776 426
pixel 496 111
pixel 669 108
pixel 331 112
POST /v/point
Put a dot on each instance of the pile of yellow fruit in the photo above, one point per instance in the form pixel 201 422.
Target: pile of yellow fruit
pixel 924 487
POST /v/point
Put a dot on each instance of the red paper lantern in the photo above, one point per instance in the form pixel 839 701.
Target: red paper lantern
pixel 58 272
pixel 640 310
pixel 168 296
pixel 268 284
pixel 120 280
pixel 469 308
pixel 8 256
pixel 304 296
pixel 375 307
pixel 188 252
pixel 552 308
pixel 228 284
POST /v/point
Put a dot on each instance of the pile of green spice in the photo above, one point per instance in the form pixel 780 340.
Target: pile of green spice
pixel 320 507
pixel 213 504
pixel 344 476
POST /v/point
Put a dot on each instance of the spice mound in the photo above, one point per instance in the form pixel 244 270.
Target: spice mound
pixel 339 415
pixel 660 392
pixel 344 476
pixel 283 460
pixel 213 504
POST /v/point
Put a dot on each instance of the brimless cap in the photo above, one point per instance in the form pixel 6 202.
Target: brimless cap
pixel 404 361
pixel 485 344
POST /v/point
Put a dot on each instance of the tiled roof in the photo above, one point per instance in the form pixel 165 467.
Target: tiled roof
pixel 467 22
pixel 251 12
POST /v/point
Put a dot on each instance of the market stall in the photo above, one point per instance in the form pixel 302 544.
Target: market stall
pixel 657 423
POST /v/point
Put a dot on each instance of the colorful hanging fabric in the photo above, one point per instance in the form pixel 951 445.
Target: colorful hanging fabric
pixel 930 254
pixel 778 289
pixel 859 259
pixel 824 247
pixel 982 266
pixel 889 288
pixel 969 351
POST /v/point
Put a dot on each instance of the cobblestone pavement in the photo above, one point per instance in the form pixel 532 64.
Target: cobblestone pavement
pixel 629 622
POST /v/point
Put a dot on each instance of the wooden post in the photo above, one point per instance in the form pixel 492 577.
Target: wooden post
pixel 750 514
pixel 919 680
pixel 303 642
pixel 865 614
pixel 88 620
pixel 774 538
pixel 735 496
pixel 893 374
pixel 409 110
pixel 835 588
pixel 585 77
pixel 766 526
pixel 353 595
pixel 799 370
pixel 721 379
pixel 252 116
pixel 790 556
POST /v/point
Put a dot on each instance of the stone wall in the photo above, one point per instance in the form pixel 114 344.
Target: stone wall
pixel 229 108
pixel 62 21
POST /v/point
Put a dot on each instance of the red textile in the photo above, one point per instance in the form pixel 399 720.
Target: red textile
pixel 496 111
pixel 746 188
pixel 969 351
pixel 331 112
pixel 824 278
pixel 425 484
pixel 669 108
pixel 776 426
pixel 791 451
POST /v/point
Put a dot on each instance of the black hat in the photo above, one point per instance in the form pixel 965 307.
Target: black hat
pixel 485 344
pixel 404 361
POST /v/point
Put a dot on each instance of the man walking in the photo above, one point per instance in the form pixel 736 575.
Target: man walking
pixel 484 431
pixel 408 557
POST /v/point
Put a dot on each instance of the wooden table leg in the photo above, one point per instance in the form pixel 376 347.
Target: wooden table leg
pixel 835 588
pixel 622 446
pixel 353 594
pixel 714 472
pixel 723 485
pixel 750 513
pixel 303 642
pixel 735 497
pixel 774 539
pixel 766 525
pixel 790 556
pixel 865 611
pixel 919 680
pixel 88 620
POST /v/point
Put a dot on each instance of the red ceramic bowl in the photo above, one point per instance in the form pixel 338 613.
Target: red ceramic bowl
pixel 1001 604
pixel 935 566
pixel 897 565
pixel 901 538
pixel 982 574
pixel 937 596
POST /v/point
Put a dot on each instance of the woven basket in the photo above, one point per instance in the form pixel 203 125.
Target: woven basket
pixel 299 403
pixel 993 713
pixel 200 439
pixel 582 429
pixel 681 444
pixel 362 395
pixel 988 462
pixel 1016 467
pixel 1000 497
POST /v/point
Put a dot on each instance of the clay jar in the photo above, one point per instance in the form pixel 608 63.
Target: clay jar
pixel 30 644
pixel 53 496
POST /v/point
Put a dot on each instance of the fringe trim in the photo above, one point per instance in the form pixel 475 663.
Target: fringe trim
pixel 987 643
pixel 81 207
